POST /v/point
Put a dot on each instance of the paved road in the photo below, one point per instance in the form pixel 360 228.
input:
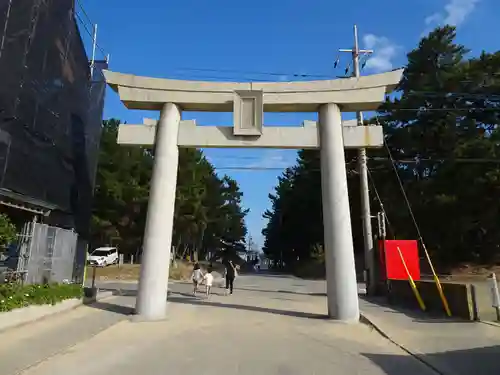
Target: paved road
pixel 271 325
pixel 452 347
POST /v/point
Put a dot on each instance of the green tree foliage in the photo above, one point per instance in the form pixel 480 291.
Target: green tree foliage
pixel 208 211
pixel 8 231
pixel 442 129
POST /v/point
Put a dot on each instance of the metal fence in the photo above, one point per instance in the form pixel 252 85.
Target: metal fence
pixel 47 254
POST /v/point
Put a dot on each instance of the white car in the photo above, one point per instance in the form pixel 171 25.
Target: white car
pixel 103 256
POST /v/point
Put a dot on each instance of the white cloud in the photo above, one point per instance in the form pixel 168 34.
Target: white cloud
pixel 384 54
pixel 455 13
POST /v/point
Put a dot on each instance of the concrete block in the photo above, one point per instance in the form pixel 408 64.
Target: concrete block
pixel 458 295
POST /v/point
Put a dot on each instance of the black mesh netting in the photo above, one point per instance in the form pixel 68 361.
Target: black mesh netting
pixel 50 113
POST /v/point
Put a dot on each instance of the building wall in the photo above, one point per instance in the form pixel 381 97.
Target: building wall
pixel 50 112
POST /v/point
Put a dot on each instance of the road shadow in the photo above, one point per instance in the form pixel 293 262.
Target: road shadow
pixel 477 361
pixel 186 297
pixel 133 292
pixel 417 316
pixel 190 295
pixel 112 307
pixel 200 300
pixel 207 302
pixel 275 275
pixel 281 291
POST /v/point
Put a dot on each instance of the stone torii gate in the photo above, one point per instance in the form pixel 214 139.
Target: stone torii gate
pixel 248 102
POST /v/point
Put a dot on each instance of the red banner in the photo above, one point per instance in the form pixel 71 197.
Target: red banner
pixel 392 265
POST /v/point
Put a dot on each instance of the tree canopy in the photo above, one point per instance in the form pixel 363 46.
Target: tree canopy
pixel 208 213
pixel 8 232
pixel 442 131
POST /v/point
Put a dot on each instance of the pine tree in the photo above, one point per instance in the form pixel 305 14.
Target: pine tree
pixel 208 211
pixel 442 129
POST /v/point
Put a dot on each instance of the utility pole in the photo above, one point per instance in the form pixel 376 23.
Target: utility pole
pixel 370 274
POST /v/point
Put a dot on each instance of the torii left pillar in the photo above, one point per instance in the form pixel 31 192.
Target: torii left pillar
pixel 153 282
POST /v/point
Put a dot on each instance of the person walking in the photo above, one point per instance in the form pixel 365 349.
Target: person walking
pixel 196 277
pixel 230 275
pixel 208 279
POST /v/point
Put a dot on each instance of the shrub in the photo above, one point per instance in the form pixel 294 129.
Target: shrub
pixel 14 295
pixel 8 231
pixel 311 269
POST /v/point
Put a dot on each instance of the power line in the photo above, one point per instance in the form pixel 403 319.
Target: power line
pixel 250 72
pixel 84 12
pixel 235 157
pixel 301 75
pixel 354 160
pixel 86 28
pixel 423 109
pixel 253 168
pixel 418 160
pixel 363 54
pixel 257 168
pixel 454 95
pixel 373 158
pixel 204 77
pixel 83 24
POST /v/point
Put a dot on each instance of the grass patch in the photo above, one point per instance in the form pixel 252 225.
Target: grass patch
pixel 114 272
pixel 131 272
pixel 14 295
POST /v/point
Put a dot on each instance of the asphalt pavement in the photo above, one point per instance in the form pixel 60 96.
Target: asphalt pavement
pixel 272 324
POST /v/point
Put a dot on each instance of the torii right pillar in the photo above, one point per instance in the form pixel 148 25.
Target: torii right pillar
pixel 341 283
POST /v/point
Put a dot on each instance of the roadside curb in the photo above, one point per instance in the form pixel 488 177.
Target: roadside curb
pixel 369 321
pixel 490 323
pixel 100 296
pixel 114 281
pixel 31 314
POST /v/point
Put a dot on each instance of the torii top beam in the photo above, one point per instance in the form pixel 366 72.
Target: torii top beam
pixel 351 94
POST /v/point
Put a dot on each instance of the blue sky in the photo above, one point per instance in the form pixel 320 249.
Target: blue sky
pixel 172 39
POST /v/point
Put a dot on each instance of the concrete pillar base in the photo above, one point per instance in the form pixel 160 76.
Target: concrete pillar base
pixel 144 319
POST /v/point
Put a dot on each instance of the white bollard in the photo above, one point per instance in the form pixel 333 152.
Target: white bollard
pixel 495 296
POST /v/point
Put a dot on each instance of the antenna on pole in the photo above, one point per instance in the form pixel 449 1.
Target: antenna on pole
pixel 370 271
pixel 94 45
pixel 356 52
